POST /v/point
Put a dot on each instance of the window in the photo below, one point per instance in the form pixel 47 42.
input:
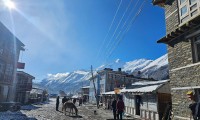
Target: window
pixel 9 72
pixel 188 9
pixel 2 68
pixel 183 10
pixel 196 49
pixel 182 1
pixel 192 1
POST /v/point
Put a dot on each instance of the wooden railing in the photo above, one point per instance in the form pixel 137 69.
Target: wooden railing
pixel 144 114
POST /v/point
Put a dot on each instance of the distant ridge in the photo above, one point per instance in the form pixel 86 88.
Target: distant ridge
pixel 71 82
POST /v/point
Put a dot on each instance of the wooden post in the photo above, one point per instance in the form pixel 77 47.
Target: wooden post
pixel 94 87
pixel 147 102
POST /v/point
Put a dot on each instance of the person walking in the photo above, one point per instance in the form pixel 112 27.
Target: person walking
pixel 57 103
pixel 120 107
pixel 194 106
pixel 109 104
pixel 80 101
pixel 114 103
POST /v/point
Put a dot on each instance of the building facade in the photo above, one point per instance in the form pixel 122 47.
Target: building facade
pixel 183 44
pixel 23 87
pixel 108 79
pixel 10 48
pixel 147 99
pixel 85 93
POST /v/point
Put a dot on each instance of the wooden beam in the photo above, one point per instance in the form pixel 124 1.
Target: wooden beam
pixel 179 31
pixel 169 36
pixel 174 34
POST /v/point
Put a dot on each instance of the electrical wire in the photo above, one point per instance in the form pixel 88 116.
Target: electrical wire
pixel 98 54
pixel 128 28
pixel 110 48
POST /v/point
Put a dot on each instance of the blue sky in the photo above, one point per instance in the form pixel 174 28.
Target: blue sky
pixel 66 35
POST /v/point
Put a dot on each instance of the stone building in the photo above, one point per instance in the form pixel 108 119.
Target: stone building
pixel 85 93
pixel 10 48
pixel 183 43
pixel 108 79
pixel 23 87
pixel 147 100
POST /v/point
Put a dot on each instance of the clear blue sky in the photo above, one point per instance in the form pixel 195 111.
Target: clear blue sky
pixel 66 35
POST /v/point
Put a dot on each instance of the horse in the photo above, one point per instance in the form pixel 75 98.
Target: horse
pixel 71 106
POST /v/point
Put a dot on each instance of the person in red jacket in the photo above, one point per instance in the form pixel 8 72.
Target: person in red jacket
pixel 120 107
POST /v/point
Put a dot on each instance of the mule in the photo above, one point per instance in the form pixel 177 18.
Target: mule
pixel 71 106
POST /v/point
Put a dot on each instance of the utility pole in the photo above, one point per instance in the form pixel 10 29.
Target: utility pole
pixel 94 87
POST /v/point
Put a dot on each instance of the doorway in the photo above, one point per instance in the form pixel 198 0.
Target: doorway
pixel 137 104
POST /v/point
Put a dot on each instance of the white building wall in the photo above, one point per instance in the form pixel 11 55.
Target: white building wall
pixel 149 102
pixel 91 92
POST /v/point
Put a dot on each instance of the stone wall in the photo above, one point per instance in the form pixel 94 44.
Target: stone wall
pixel 188 75
pixel 183 78
pixel 180 54
pixel 180 104
pixel 172 16
pixel 182 71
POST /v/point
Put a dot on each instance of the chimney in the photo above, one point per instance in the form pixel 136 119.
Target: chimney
pixel 119 69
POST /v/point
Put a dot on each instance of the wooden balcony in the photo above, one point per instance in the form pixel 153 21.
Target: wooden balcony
pixel 181 31
pixel 162 3
pixel 24 87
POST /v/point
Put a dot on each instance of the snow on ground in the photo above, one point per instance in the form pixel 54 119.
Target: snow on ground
pixel 46 111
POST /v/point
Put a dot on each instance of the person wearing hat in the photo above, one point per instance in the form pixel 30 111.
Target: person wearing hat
pixel 194 106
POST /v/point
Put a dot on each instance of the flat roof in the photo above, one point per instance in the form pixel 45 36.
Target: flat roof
pixel 24 73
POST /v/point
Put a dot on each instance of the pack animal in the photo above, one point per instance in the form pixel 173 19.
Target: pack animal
pixel 71 106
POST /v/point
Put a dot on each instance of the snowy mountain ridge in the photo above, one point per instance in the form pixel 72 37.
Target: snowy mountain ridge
pixel 73 81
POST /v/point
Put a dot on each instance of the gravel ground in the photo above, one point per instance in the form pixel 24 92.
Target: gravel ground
pixel 46 111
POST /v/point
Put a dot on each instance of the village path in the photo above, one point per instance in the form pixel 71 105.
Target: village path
pixel 46 111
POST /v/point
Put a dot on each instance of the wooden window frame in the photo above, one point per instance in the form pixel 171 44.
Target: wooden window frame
pixel 196 40
pixel 189 11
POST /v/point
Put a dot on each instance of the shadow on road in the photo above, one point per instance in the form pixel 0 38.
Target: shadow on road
pixel 73 116
pixel 14 115
pixel 29 107
pixel 76 116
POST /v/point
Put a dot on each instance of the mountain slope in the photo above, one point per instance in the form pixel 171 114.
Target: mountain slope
pixel 71 82
pixel 158 69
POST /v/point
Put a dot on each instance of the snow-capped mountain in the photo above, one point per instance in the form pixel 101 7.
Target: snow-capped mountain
pixel 68 82
pixel 71 82
pixel 136 65
pixel 157 69
pixel 114 65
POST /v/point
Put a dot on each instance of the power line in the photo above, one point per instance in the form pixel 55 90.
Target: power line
pixel 119 24
pixel 128 28
pixel 109 29
pixel 107 52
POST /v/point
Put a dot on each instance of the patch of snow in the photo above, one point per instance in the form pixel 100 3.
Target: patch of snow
pixel 136 65
pixel 14 116
pixel 162 61
pixel 57 76
pixel 149 82
pixel 117 61
pixel 145 89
